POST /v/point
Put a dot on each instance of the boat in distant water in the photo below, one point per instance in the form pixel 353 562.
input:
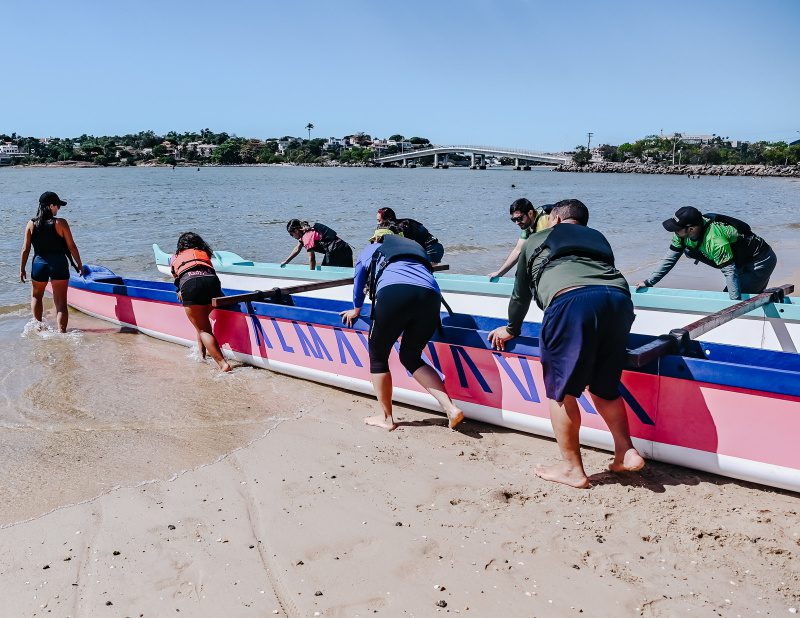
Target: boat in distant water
pixel 775 326
pixel 725 409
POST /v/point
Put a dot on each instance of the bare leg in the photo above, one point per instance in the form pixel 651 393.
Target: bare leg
pixel 198 316
pixel 37 294
pixel 382 383
pixel 60 300
pixel 200 347
pixel 566 419
pixel 431 382
pixel 626 457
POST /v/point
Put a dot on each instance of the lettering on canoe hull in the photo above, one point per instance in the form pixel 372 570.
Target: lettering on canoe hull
pixel 516 368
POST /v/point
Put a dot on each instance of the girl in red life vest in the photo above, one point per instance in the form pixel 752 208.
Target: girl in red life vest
pixel 197 284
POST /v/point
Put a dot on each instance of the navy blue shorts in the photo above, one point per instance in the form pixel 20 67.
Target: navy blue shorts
pixel 49 267
pixel 584 341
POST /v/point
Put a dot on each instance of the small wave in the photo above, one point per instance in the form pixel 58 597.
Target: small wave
pixel 794 226
pixel 14 311
pixel 42 330
pixel 458 249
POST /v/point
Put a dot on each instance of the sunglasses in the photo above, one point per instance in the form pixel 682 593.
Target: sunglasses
pixel 518 219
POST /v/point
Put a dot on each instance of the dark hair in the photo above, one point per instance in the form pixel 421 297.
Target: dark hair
pixel 296 224
pixel 43 213
pixel 392 226
pixel 523 204
pixel 190 240
pixel 572 209
pixel 387 214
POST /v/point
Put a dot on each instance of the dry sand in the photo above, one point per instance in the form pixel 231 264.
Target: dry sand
pixel 321 515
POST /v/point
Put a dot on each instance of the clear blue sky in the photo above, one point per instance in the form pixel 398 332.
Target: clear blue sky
pixel 512 73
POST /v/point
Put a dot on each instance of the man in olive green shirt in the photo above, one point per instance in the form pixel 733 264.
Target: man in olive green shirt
pixel 569 270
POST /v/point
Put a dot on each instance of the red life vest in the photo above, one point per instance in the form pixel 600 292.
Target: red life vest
pixel 189 258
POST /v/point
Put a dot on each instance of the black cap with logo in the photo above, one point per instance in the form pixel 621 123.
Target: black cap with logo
pixel 49 198
pixel 684 217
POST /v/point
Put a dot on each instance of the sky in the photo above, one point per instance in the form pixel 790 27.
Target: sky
pixel 514 73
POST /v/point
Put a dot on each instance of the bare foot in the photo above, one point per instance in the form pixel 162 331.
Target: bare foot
pixel 632 461
pixel 562 473
pixel 455 419
pixel 382 422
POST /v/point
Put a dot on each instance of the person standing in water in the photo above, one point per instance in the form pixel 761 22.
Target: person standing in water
pixel 414 230
pixel 569 270
pixel 405 301
pixel 52 243
pixel 197 284
pixel 530 220
pixel 728 244
pixel 318 238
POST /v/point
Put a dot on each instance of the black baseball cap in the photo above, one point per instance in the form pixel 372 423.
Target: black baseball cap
pixel 684 217
pixel 48 198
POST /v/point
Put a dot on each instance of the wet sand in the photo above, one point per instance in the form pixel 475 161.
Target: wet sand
pixel 294 506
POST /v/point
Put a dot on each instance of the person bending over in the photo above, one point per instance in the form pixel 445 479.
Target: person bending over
pixel 405 301
pixel 197 284
pixel 318 238
pixel 530 220
pixel 722 242
pixel 569 270
pixel 53 248
pixel 415 231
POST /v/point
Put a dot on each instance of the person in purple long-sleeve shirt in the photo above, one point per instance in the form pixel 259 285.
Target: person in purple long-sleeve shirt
pixel 407 303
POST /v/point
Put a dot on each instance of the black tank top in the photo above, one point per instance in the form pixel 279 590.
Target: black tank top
pixel 46 240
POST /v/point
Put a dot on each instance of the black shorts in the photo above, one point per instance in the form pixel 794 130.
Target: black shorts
pixel 410 310
pixel 339 254
pixel 199 288
pixel 53 266
pixel 584 342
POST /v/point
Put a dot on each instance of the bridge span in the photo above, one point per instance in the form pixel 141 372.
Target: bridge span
pixel 478 155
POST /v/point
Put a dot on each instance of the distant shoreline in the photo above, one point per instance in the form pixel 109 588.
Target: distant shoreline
pixel 775 171
pixel 783 171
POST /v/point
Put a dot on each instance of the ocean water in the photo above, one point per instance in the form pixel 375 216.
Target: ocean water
pixel 99 407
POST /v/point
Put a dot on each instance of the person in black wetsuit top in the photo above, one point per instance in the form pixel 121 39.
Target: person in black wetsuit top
pixel 52 242
pixel 415 231
pixel 319 238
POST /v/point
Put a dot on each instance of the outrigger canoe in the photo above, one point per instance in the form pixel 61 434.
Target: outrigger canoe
pixel 770 327
pixel 729 410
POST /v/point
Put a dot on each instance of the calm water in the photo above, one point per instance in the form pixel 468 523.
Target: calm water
pixel 116 214
pixel 84 412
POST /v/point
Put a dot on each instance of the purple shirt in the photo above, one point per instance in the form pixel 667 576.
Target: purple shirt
pixel 400 271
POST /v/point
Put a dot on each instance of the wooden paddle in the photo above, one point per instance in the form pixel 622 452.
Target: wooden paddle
pixel 666 344
pixel 275 293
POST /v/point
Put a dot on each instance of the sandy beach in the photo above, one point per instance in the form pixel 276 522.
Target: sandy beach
pixel 309 512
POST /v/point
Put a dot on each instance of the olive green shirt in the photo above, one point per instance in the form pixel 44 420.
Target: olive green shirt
pixel 577 271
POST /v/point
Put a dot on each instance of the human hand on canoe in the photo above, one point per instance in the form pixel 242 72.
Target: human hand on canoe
pixel 499 336
pixel 350 316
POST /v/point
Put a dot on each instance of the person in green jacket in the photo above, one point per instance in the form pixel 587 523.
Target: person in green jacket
pixel 728 244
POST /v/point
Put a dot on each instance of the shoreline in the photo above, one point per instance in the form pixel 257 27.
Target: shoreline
pixel 321 513
pixel 761 171
pixel 781 171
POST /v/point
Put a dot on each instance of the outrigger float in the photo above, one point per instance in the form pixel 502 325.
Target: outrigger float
pixel 774 326
pixel 729 410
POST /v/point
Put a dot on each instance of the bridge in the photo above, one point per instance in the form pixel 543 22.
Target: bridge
pixel 478 154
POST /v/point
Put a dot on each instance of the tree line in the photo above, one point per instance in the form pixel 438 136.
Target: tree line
pixel 718 151
pixel 228 149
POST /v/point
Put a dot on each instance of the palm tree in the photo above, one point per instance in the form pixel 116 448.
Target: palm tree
pixel 309 126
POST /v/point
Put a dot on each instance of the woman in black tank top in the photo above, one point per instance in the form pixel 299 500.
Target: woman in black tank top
pixel 52 244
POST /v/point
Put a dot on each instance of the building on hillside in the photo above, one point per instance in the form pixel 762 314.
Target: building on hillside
pixel 692 139
pixel 335 143
pixel 9 149
pixel 202 150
